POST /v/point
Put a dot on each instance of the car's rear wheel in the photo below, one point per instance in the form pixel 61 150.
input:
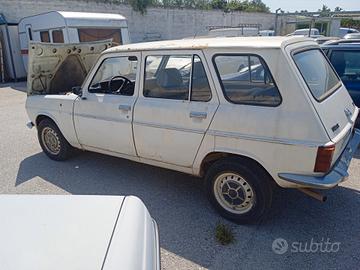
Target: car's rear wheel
pixel 239 189
pixel 52 141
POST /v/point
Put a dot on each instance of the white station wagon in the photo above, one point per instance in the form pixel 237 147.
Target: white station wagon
pixel 241 112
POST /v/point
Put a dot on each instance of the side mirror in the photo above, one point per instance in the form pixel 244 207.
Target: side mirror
pixel 77 90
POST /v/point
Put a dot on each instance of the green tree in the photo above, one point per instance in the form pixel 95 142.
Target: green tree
pixel 324 11
pixel 226 5
pixel 351 23
pixel 218 4
pixel 324 8
pixel 248 6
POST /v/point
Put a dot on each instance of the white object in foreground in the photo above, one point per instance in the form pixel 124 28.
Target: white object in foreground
pixel 76 232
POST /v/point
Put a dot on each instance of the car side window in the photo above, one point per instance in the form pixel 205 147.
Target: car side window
pixel 200 88
pixel 246 79
pixel 347 65
pixel 116 75
pixel 172 77
pixel 167 76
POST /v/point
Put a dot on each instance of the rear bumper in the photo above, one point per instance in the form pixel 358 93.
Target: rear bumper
pixel 337 174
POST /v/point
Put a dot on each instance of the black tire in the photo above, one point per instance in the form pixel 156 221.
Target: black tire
pixel 254 175
pixel 64 150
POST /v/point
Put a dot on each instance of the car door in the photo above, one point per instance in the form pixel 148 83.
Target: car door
pixel 176 104
pixel 103 115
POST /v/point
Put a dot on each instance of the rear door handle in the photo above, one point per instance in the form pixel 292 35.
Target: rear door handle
pixel 124 107
pixel 199 115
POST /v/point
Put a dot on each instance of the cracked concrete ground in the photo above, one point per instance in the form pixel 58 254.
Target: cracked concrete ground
pixel 186 220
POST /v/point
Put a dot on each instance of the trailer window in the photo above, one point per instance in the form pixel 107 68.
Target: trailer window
pixel 57 36
pixel 93 34
pixel 44 36
pixel 30 34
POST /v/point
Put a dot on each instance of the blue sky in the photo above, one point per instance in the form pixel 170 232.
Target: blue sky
pixel 311 5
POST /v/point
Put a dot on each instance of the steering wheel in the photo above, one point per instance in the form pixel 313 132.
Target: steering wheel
pixel 126 81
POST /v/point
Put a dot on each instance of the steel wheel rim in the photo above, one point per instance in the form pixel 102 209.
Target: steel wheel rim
pixel 234 193
pixel 51 140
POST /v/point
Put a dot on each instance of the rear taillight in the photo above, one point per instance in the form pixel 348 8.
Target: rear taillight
pixel 324 158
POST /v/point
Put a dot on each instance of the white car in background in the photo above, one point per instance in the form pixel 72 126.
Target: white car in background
pixel 242 112
pixel 352 36
pixel 343 31
pixel 305 32
pixel 72 232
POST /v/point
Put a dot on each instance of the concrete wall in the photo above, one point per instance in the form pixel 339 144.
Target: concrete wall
pixel 157 23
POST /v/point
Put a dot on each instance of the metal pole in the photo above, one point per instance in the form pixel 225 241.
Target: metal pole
pixel 311 25
pixel 276 21
pixel 2 64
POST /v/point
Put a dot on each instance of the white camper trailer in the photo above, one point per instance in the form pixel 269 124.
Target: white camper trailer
pixel 71 27
pixel 11 66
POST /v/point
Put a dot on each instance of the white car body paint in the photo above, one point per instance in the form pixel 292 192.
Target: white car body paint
pixel 41 232
pixel 160 132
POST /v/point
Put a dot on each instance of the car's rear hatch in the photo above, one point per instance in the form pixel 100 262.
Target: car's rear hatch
pixel 338 114
pixel 329 96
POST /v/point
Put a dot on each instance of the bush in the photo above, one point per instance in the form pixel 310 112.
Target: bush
pixel 224 235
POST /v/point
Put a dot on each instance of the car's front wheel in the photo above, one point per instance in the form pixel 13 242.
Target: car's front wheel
pixel 52 142
pixel 239 189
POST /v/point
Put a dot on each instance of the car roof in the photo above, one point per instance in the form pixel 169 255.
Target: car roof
pixel 208 43
pixel 347 43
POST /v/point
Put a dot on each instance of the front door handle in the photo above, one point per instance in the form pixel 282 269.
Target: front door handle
pixel 124 107
pixel 199 115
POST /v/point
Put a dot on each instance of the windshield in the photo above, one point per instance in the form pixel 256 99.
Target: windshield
pixel 317 73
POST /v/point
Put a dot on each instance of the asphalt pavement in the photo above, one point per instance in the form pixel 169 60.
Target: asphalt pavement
pixel 300 232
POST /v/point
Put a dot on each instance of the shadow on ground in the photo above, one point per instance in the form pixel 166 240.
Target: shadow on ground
pixel 187 221
pixel 18 86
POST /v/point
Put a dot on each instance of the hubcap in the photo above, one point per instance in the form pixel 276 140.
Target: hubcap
pixel 233 193
pixel 51 140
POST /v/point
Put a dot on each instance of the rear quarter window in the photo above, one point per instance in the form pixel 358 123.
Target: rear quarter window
pixel 246 79
pixel 318 74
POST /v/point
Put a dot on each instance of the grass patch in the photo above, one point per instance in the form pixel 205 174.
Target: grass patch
pixel 224 234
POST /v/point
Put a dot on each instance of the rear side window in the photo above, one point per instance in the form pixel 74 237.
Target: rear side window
pixel 347 65
pixel 317 73
pixel 245 79
pixel 200 88
pixel 175 76
pixel 167 76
